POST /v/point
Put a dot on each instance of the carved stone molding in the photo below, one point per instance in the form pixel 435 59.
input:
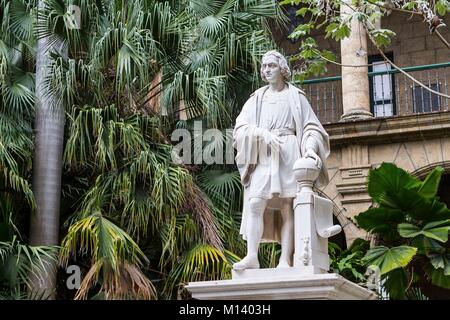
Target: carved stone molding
pixel 388 130
pixel 354 172
pixel 354 185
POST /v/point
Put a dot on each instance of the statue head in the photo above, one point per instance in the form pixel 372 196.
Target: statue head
pixel 282 64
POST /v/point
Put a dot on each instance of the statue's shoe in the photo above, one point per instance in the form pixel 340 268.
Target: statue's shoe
pixel 246 263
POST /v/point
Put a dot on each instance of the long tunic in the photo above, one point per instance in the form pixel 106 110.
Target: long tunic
pixel 275 115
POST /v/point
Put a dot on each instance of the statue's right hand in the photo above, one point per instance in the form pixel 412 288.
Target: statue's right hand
pixel 271 139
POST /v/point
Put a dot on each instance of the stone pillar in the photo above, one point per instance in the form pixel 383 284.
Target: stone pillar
pixel 355 82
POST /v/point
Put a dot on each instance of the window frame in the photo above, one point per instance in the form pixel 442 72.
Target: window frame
pixel 379 58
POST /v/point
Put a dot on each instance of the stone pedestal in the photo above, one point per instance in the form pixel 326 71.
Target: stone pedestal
pixel 308 277
pixel 280 284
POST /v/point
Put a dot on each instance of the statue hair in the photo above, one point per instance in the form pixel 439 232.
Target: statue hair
pixel 282 62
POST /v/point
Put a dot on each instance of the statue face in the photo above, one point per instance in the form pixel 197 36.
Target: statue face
pixel 271 69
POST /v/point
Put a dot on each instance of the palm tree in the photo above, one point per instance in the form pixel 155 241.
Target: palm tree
pixel 131 214
pixel 49 139
pixel 17 259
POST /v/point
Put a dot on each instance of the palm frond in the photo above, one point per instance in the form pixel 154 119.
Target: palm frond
pixel 198 206
pixel 202 262
pixel 129 283
pixel 18 261
pixel 219 184
pixel 103 240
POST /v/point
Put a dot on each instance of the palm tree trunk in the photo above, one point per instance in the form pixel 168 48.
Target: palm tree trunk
pixel 47 167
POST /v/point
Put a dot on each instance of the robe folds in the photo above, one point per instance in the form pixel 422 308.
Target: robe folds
pixel 248 146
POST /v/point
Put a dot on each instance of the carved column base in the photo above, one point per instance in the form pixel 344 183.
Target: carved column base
pixel 356 114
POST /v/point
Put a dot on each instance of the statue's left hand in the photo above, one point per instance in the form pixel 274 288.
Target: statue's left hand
pixel 310 153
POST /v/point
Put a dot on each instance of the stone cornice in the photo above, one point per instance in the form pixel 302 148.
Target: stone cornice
pixel 390 129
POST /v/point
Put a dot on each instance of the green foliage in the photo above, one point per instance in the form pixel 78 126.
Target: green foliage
pixel 388 259
pixel 125 87
pixel 202 261
pixel 337 31
pixel 316 59
pixel 16 103
pixel 441 262
pixel 131 213
pixel 396 284
pixel 434 230
pixel 19 262
pixel 440 278
pixel 442 7
pixel 382 37
pixel 412 226
pixel 348 263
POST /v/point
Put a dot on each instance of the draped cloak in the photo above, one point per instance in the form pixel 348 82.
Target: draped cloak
pixel 307 126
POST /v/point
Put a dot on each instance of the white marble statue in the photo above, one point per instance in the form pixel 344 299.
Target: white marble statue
pixel 275 128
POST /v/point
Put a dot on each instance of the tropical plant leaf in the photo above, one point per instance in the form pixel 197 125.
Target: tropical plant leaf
pixel 429 187
pixel 201 262
pixel 437 230
pixel 130 283
pixel 396 283
pixel 219 184
pixel 439 278
pixel 388 259
pixel 421 208
pixel 381 220
pixel 103 239
pixel 388 179
pixel 441 261
pixel 359 245
pixel 18 261
pixel 427 245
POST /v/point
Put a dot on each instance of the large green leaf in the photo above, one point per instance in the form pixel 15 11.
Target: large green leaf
pixel 388 259
pixel 388 179
pixel 396 283
pixel 441 261
pixel 438 211
pixel 427 245
pixel 420 208
pixel 430 185
pixel 437 230
pixel 439 278
pixel 394 188
pixel 381 220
